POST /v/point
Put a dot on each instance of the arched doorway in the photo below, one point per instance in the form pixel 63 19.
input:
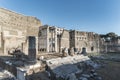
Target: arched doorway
pixel 83 50
pixel 92 48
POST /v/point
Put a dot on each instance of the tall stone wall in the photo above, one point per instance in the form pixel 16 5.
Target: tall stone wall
pixel 42 39
pixel 65 42
pixel 94 42
pixel 88 40
pixel 15 29
pixel 11 20
pixel 72 38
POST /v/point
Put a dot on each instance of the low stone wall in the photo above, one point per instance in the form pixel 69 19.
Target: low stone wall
pixel 28 71
pixel 20 72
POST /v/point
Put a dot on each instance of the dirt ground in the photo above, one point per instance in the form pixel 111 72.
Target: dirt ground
pixel 111 68
pixel 111 71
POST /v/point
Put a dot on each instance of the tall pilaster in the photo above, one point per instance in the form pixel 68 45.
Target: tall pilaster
pixel 25 46
pixel 36 45
pixel 47 45
pixel 55 39
pixel 5 47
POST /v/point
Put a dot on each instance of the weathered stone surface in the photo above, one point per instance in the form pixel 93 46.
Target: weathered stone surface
pixel 82 39
pixel 27 70
pixel 71 51
pixel 62 67
pixel 82 66
pixel 71 77
pixel 64 70
pixel 91 63
pixel 6 75
pixel 14 29
pixel 65 52
pixel 86 75
pixel 53 39
pixel 67 60
pixel 83 78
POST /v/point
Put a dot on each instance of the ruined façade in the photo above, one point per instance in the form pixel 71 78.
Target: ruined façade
pixel 18 31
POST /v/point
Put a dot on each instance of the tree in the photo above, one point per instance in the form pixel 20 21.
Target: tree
pixel 109 36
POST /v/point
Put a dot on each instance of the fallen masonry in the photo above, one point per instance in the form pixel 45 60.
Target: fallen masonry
pixel 6 75
pixel 20 69
pixel 77 67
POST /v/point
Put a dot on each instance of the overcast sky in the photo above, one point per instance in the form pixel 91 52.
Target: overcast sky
pixel 100 16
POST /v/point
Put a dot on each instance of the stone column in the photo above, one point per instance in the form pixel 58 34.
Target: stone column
pixel 25 46
pixel 47 43
pixel 32 48
pixel 6 45
pixel 4 48
pixel 55 39
pixel 1 43
pixel 36 45
pixel 98 46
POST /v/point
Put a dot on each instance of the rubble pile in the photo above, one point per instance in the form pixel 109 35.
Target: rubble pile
pixel 77 67
pixel 5 75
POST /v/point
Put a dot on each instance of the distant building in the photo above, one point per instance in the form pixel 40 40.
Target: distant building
pixel 47 39
pixel 84 40
pixel 52 39
pixel 111 45
pixel 93 42
pixel 63 40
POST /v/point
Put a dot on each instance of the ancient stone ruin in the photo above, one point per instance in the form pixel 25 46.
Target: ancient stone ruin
pixel 18 32
pixel 32 51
